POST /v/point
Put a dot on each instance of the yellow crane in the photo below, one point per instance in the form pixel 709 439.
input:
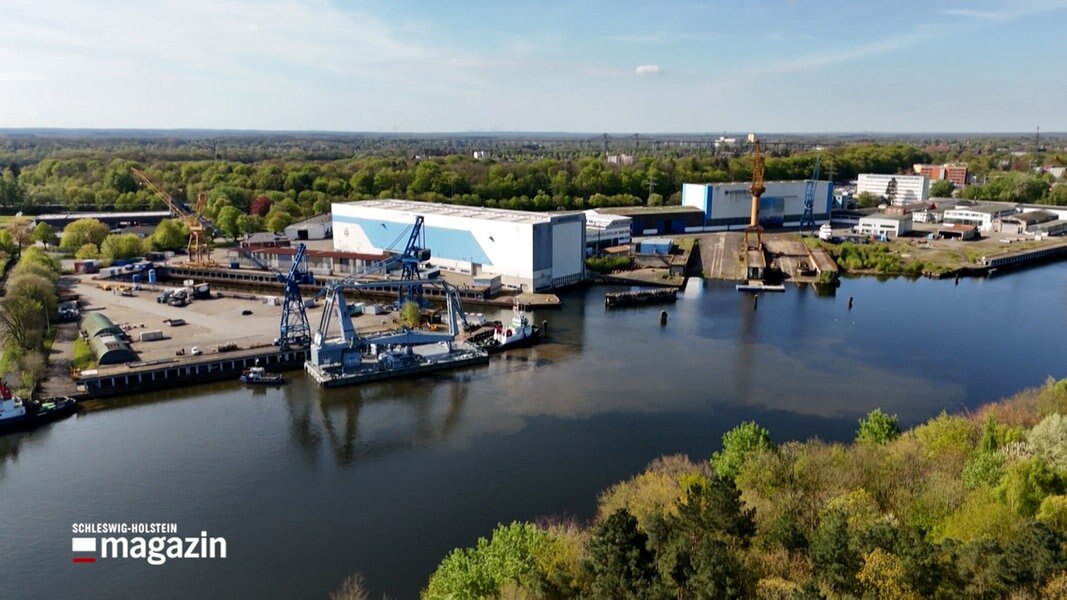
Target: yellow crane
pixel 199 246
pixel 756 189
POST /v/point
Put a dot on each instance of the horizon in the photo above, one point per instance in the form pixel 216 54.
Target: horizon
pixel 422 67
pixel 131 131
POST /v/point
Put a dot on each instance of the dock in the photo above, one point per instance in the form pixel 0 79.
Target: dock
pixel 426 359
pixel 1023 257
pixel 133 377
pixel 643 296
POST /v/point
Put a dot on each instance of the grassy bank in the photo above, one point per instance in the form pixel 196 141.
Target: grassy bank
pixel 961 506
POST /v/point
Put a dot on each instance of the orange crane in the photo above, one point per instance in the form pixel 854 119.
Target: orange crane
pixel 756 189
pixel 199 249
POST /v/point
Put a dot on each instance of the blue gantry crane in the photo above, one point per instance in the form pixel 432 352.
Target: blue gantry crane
pixel 807 220
pixel 294 329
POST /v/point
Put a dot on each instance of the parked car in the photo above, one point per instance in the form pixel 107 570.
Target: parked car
pixel 195 351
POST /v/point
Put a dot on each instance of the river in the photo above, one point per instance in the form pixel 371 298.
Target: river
pixel 309 485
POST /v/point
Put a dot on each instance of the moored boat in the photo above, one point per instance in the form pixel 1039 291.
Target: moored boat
pixel 513 334
pixel 13 413
pixel 259 375
pixel 17 414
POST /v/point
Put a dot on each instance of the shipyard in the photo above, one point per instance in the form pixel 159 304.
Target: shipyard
pixel 273 302
pixel 508 301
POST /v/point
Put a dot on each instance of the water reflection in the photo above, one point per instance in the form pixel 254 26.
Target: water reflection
pixel 371 421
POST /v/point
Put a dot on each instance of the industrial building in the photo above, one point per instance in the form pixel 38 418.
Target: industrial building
pixel 895 189
pixel 318 227
pixel 111 219
pixel 529 251
pixel 603 230
pixel 659 220
pixel 105 340
pixel 727 206
pixel 320 262
pixel 1026 222
pixel 885 225
pixel 986 217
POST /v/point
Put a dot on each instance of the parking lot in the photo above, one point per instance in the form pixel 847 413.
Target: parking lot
pixel 209 323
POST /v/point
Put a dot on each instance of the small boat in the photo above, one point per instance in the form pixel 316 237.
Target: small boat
pixel 16 414
pixel 517 332
pixel 259 375
pixel 13 413
pixel 54 409
pixel 759 287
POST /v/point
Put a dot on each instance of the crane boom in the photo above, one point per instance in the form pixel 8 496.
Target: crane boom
pixel 807 220
pixel 756 188
pixel 199 251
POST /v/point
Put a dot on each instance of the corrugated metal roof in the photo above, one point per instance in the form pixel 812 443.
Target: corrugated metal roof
pixel 110 350
pixel 96 324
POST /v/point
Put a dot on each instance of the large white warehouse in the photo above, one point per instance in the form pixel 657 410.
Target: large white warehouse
pixel 531 251
pixel 727 205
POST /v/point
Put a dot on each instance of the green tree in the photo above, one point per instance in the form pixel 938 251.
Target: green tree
pixel 81 232
pixel 620 562
pixel 278 220
pixel 867 200
pixel 942 188
pixel 1053 512
pixel 481 572
pixel 832 556
pixel 170 234
pixel 410 314
pixel 247 224
pixel 38 287
pixel 45 233
pixel 699 553
pixel 737 444
pixel 226 221
pixel 22 321
pixel 87 252
pixel 878 428
pixel 1026 484
pixel 126 245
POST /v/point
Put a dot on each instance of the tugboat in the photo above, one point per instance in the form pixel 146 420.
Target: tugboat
pixel 259 375
pixel 16 414
pixel 518 332
pixel 13 414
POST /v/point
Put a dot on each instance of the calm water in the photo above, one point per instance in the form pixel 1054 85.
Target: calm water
pixel 309 486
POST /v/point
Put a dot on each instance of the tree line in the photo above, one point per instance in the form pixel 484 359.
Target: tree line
pixel 958 507
pixel 26 310
pixel 299 188
pixel 268 192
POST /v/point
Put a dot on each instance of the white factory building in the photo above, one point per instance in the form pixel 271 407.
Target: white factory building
pixel 603 230
pixel 885 225
pixel 909 188
pixel 528 250
pixel 986 216
pixel 728 205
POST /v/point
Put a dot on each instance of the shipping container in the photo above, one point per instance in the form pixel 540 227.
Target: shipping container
pixel 150 335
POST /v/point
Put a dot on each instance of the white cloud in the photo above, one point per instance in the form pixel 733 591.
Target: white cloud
pixel 651 70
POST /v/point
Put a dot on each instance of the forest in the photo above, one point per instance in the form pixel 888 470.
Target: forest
pixel 271 182
pixel 961 506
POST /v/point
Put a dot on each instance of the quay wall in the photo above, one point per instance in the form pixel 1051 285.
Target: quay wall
pixel 141 377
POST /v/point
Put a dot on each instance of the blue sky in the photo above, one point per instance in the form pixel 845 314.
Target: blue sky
pixel 584 66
